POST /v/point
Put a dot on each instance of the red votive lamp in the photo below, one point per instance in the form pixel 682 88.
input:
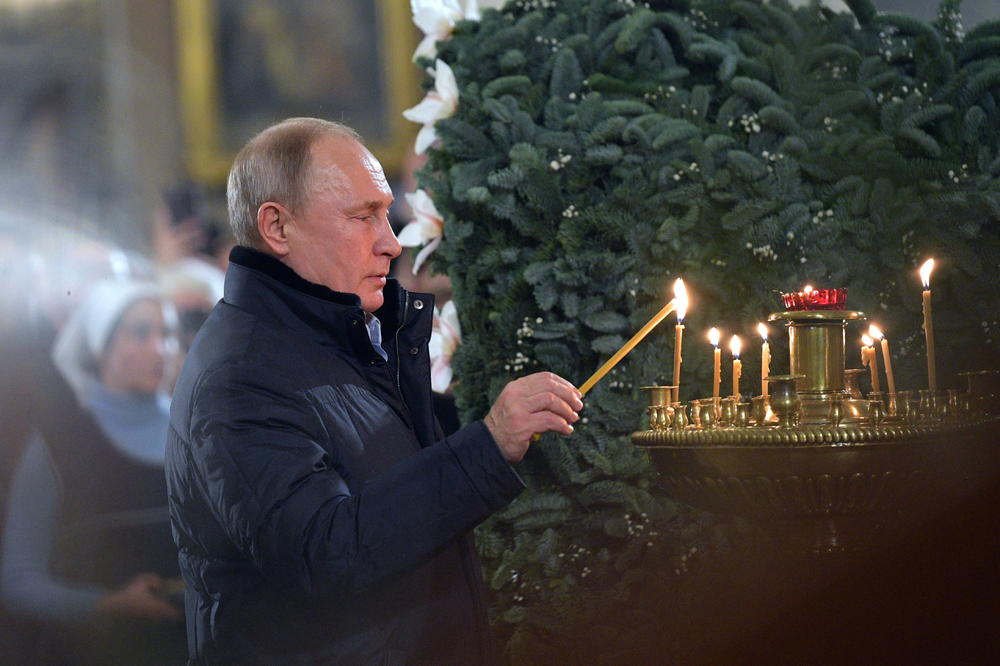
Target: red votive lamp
pixel 815 299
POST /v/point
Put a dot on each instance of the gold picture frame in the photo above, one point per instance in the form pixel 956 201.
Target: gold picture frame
pixel 212 138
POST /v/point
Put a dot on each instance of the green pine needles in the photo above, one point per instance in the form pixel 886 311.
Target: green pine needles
pixel 600 149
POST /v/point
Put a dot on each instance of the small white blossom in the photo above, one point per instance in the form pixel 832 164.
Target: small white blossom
pixel 445 338
pixel 437 19
pixel 426 228
pixel 437 104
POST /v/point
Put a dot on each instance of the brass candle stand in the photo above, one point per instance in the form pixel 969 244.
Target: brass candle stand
pixel 841 467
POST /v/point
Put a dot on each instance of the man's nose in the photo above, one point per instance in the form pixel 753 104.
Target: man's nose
pixel 387 243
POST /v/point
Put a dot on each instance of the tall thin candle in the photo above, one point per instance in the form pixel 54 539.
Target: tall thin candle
pixel 713 337
pixel 681 298
pixel 925 278
pixel 765 358
pixel 869 351
pixel 877 334
pixel 734 346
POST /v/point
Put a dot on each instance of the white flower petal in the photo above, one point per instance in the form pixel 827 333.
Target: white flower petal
pixel 412 235
pixel 435 16
pixel 441 374
pixel 448 321
pixel 425 137
pixel 427 48
pixel 419 200
pixel 446 87
pixel 427 111
pixel 424 253
pixel 472 10
pixel 435 345
pixel 423 207
pixel 445 339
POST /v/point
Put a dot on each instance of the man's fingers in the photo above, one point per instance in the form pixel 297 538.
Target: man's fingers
pixel 547 382
pixel 552 403
pixel 545 421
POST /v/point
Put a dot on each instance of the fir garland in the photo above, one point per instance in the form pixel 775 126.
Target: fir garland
pixel 601 148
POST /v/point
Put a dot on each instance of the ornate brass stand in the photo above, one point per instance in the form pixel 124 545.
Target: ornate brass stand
pixel 839 468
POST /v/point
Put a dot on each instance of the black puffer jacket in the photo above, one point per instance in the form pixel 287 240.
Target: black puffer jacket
pixel 319 515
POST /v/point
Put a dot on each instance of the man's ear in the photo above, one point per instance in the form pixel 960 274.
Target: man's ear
pixel 272 219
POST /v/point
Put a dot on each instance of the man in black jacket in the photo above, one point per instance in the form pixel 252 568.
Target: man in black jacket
pixel 319 513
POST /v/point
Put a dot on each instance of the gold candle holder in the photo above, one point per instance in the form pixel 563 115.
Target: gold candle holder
pixel 707 415
pixel 836 415
pixel 816 340
pixel 852 382
pixel 660 412
pixel 760 406
pixel 742 415
pixel 728 415
pixel 696 413
pixel 876 413
pixel 681 420
pixel 907 408
pixel 784 398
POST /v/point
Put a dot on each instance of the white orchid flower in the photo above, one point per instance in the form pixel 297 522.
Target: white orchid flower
pixel 436 18
pixel 445 338
pixel 472 8
pixel 426 229
pixel 437 104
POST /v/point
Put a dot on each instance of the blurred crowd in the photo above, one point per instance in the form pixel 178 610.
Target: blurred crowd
pixel 92 337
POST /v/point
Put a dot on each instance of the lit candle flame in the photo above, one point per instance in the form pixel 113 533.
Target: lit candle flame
pixel 867 341
pixel 735 345
pixel 681 299
pixel 807 289
pixel 925 273
pixel 762 331
pixel 714 336
pixel 875 332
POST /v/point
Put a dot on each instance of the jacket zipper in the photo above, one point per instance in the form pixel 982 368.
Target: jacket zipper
pixel 402 322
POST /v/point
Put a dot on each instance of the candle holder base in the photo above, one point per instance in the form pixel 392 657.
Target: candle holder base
pixel 816 408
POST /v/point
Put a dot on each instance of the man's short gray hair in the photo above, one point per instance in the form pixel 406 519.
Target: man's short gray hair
pixel 274 166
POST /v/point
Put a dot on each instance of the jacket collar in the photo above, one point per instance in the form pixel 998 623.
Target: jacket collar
pixel 262 285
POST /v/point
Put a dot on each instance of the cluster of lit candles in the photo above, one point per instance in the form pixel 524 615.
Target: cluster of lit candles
pixel 869 358
pixel 802 300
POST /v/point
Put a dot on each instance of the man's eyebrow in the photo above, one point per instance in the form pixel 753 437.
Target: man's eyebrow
pixel 373 204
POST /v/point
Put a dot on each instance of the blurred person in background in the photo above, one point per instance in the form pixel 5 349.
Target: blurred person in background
pixel 184 229
pixel 193 287
pixel 86 550
pixel 187 244
pixel 48 271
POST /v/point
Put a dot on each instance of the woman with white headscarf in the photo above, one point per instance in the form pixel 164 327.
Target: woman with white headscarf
pixel 87 534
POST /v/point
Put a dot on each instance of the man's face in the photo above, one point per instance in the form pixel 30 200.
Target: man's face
pixel 341 237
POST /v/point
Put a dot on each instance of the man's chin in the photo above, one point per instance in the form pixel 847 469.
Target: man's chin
pixel 373 301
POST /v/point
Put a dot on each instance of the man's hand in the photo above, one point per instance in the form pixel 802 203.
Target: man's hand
pixel 138 598
pixel 533 404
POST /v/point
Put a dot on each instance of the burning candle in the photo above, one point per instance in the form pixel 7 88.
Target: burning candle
pixel 765 358
pixel 713 337
pixel 868 351
pixel 734 347
pixel 680 297
pixel 876 333
pixel 925 278
pixel 627 347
